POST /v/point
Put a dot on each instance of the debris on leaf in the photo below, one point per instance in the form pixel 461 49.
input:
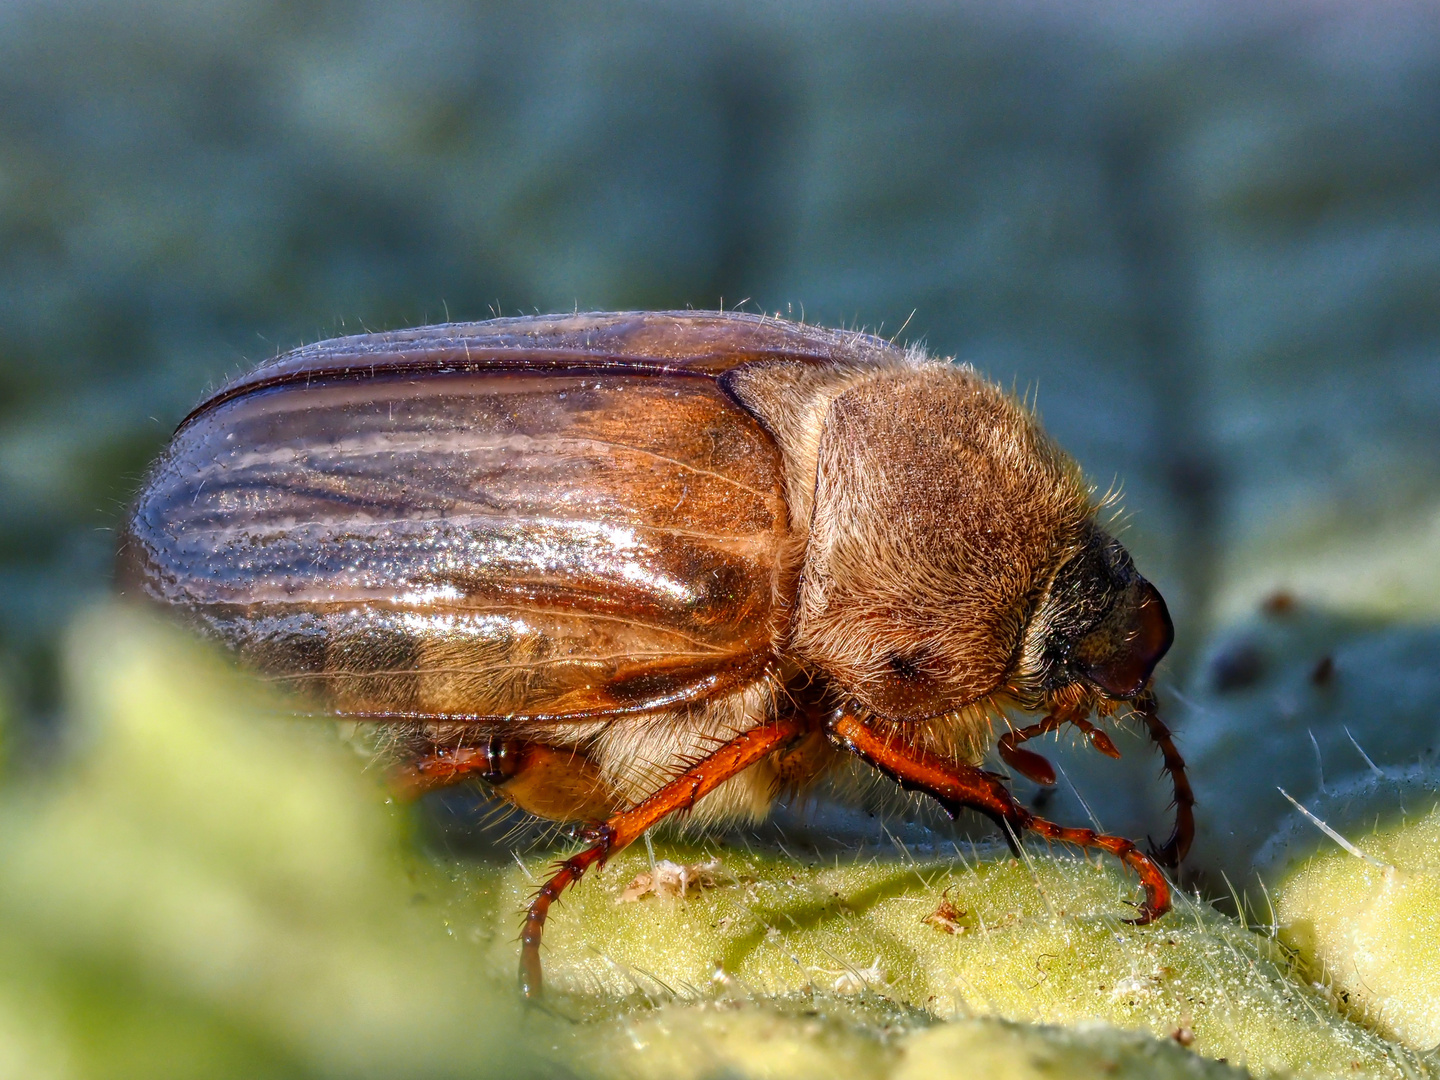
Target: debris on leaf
pixel 946 917
pixel 853 980
pixel 1184 1034
pixel 669 879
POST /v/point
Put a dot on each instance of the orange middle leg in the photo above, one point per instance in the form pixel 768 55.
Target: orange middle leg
pixel 955 786
pixel 1040 771
pixel 621 829
pixel 1033 765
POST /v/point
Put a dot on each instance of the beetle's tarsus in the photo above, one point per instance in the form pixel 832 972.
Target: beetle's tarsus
pixel 1167 854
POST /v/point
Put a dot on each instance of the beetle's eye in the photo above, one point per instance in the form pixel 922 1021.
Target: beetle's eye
pixel 1113 626
pixel 1120 654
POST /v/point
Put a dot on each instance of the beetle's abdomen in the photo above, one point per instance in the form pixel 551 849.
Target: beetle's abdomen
pixel 474 545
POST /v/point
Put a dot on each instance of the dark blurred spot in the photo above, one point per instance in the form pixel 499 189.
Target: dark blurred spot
pixel 465 820
pixel 1042 798
pixel 1278 603
pixel 1324 671
pixel 1237 667
pixel 1194 478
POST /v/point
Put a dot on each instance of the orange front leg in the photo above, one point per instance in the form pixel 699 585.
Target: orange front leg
pixel 1175 848
pixel 620 830
pixel 957 786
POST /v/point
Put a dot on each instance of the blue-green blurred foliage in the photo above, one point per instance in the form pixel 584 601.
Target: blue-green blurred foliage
pixel 1209 235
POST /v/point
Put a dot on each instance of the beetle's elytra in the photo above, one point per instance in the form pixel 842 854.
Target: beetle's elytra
pixel 624 565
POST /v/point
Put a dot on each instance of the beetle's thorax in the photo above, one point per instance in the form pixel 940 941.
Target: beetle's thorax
pixel 932 512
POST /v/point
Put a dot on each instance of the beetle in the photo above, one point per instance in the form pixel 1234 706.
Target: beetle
pixel 634 565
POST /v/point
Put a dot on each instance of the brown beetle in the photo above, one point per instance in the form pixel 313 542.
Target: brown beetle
pixel 622 566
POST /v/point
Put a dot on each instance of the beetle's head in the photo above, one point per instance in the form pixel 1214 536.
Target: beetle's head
pixel 1099 629
pixel 953 560
pixel 946 528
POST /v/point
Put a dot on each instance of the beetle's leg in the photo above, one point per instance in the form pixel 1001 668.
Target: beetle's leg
pixel 493 760
pixel 621 829
pixel 1096 738
pixel 561 784
pixel 1174 849
pixel 1033 765
pixel 1026 762
pixel 956 785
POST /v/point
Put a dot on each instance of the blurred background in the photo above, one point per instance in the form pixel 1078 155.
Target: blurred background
pixel 1206 235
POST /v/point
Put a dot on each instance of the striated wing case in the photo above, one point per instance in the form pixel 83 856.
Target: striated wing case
pixel 546 518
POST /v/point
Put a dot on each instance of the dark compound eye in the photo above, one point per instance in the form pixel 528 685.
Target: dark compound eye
pixel 1113 626
pixel 1120 654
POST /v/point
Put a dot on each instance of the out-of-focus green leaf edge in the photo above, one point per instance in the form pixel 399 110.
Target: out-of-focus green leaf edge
pixel 201 886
